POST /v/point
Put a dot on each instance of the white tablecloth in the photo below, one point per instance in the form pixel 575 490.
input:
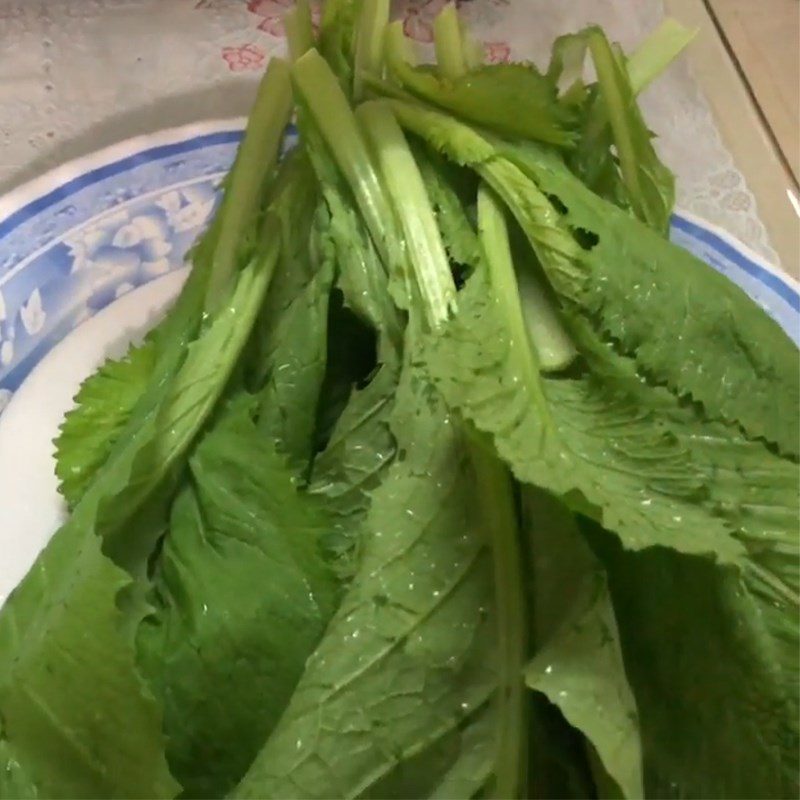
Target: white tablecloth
pixel 76 75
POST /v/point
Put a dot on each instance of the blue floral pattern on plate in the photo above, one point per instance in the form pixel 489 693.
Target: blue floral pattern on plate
pixel 80 237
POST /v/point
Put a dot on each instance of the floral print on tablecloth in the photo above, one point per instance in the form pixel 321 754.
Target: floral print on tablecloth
pixel 417 17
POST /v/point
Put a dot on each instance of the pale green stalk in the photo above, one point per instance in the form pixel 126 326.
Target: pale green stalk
pixel 299 30
pixel 657 52
pixel 372 25
pixel 256 158
pixel 448 43
pixel 496 498
pixel 402 178
pixel 322 96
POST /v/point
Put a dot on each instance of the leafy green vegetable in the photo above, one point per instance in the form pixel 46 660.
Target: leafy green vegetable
pixel 405 658
pixel 328 107
pixel 459 764
pixel 743 373
pixel 257 156
pixel 710 673
pixel 578 662
pixel 297 364
pixel 573 434
pixel 50 671
pixel 447 476
pixel 242 597
pixel 637 285
pixel 68 676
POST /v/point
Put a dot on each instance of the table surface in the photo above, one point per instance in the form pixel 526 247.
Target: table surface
pixel 763 38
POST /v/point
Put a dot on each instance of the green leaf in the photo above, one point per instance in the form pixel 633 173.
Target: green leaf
pixel 129 387
pixel 738 628
pixel 451 191
pixel 578 660
pixel 559 754
pixel 573 436
pixel 165 433
pixel 534 325
pixel 361 275
pixel 405 657
pixel 299 218
pixel 512 99
pixel 658 301
pixel 475 765
pixel 297 360
pixel 459 764
pixel 711 673
pixel 242 598
pixel 104 405
pixel 107 399
pixel 360 448
pixel 14 781
pixel 68 676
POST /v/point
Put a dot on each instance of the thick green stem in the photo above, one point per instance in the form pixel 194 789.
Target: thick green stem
pixel 370 42
pixel 327 105
pixel 471 47
pixel 299 30
pixel 397 49
pixel 497 250
pixel 605 65
pixel 448 43
pixel 550 238
pixel 553 344
pixel 257 156
pixel 401 175
pixel 657 52
pixel 496 498
pixel 536 331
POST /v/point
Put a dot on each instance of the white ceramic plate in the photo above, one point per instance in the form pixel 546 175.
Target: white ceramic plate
pixel 90 255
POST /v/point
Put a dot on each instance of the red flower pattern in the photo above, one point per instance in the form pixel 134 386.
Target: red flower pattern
pixel 245 57
pixel 497 52
pixel 418 20
pixel 272 13
pixel 418 17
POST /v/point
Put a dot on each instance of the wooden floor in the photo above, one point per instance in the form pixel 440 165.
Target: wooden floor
pixel 763 37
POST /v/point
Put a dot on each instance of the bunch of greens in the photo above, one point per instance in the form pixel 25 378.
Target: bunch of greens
pixel 446 476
